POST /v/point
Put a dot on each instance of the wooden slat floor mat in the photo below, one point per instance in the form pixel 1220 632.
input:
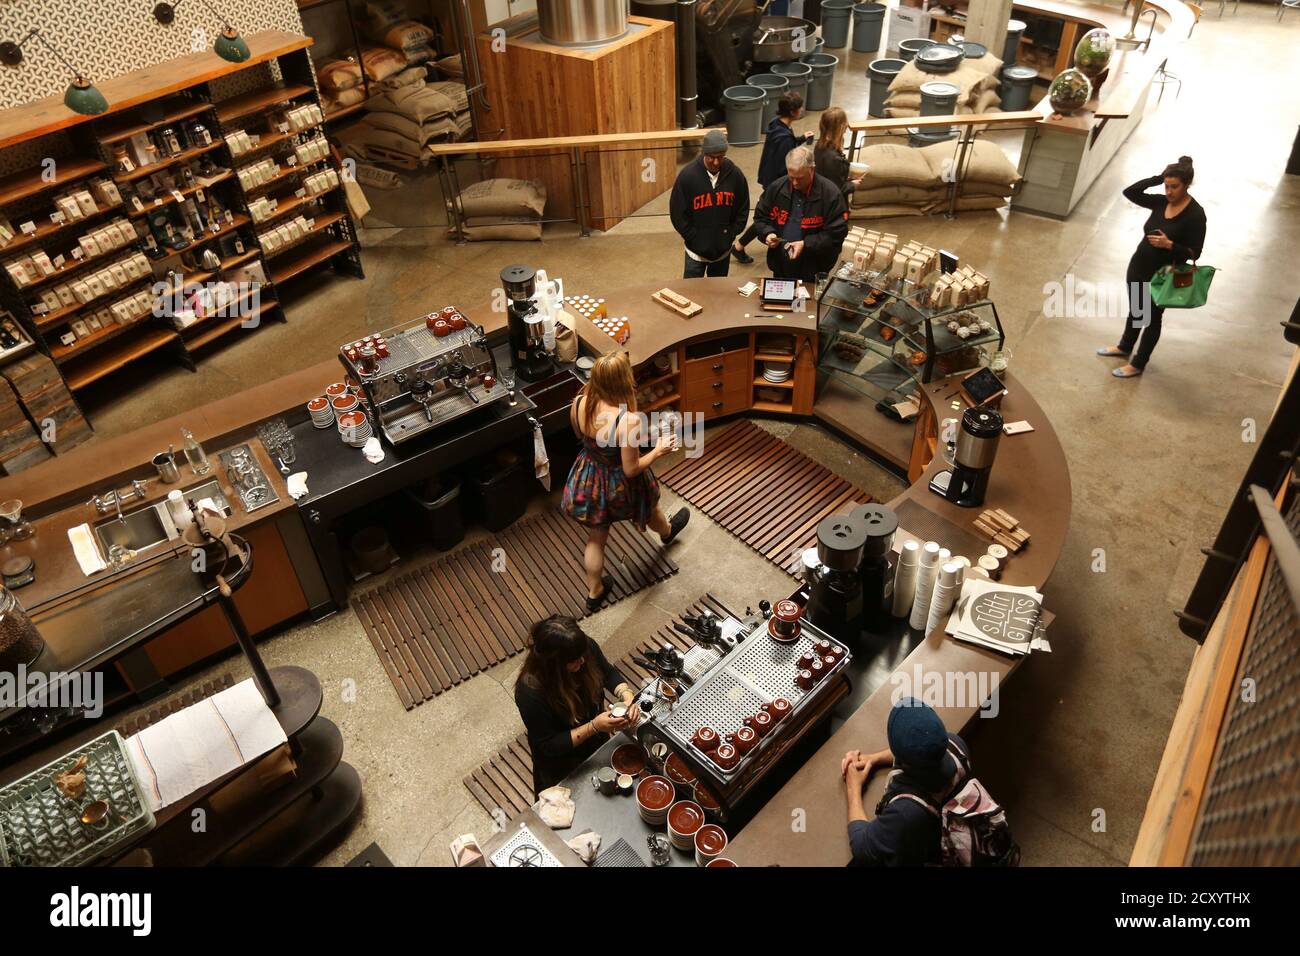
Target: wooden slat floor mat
pixel 441 623
pixel 505 781
pixel 769 495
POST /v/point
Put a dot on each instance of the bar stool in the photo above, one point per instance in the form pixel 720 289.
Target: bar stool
pixel 1284 5
pixel 1163 77
pixel 1224 3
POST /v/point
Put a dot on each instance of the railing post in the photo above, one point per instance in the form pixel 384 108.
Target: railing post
pixel 579 174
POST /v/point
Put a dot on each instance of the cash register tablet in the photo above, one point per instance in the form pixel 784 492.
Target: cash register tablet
pixel 779 293
pixel 982 387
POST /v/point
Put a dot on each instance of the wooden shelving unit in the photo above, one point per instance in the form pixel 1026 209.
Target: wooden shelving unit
pixel 178 94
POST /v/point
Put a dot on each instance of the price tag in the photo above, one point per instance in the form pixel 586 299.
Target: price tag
pixel 229 217
pixel 282 127
pixel 300 193
pixel 291 160
pixel 158 200
pixel 58 262
pixel 137 204
pixel 176 194
pixel 58 217
pixel 40 308
pixel 198 194
pixel 27 228
pixel 78 253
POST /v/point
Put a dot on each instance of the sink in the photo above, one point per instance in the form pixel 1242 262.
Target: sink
pixel 209 489
pixel 135 531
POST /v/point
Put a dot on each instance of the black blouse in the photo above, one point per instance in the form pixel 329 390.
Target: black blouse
pixel 549 728
pixel 1185 230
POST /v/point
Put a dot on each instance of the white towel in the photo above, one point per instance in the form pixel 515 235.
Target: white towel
pixel 193 747
pixel 297 483
pixel 83 546
pixel 541 461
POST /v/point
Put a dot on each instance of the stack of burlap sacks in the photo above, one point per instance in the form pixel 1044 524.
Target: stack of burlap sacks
pixel 405 115
pixel 907 181
pixel 501 209
pixel 976 78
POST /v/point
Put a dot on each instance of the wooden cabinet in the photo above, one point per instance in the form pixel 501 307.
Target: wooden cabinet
pixel 717 384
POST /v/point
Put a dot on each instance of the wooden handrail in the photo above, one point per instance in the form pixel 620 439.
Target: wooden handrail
pixel 972 119
pixel 565 142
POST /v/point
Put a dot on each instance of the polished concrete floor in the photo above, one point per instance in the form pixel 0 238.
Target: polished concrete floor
pixel 1153 461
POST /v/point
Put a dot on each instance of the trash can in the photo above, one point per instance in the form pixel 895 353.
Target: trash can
pixel 1017 86
pixel 938 98
pixel 881 73
pixel 503 485
pixel 438 514
pixel 772 86
pixel 1015 30
pixel 868 18
pixel 823 79
pixel 835 23
pixel 797 75
pixel 744 105
pixel 907 49
pixel 918 136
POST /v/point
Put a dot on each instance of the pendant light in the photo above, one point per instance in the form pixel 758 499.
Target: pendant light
pixel 81 97
pixel 229 44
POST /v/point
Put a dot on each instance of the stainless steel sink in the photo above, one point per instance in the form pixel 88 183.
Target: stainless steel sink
pixel 134 531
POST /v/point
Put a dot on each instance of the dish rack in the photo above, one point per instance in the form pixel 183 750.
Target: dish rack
pixel 523 849
pixel 756 672
pixel 39 826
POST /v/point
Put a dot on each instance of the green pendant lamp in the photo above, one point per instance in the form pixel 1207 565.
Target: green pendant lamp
pixel 229 44
pixel 81 96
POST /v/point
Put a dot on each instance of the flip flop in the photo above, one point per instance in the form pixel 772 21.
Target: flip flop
pixel 1111 351
pixel 1120 373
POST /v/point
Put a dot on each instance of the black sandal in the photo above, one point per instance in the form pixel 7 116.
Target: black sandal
pixel 594 603
pixel 676 525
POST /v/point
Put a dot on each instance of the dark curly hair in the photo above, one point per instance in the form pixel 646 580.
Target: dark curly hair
pixel 1181 170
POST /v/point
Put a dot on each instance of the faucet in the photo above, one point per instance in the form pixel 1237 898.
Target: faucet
pixel 114 498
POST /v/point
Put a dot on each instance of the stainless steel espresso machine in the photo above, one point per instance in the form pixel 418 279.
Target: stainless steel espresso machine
pixel 527 325
pixel 424 374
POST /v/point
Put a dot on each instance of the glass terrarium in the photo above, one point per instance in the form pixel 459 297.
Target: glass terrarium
pixel 1093 52
pixel 1069 92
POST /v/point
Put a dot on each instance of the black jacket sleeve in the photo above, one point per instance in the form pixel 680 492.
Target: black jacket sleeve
pixel 830 238
pixel 1190 249
pixel 610 676
pixel 678 212
pixel 764 226
pixel 1137 193
pixel 547 733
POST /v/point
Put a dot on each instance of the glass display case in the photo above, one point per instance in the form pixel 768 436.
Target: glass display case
pixel 877 336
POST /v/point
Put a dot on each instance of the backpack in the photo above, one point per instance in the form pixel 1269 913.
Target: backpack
pixel 974 826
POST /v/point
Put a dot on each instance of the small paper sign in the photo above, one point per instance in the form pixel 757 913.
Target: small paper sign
pixel 58 218
pixel 158 200
pixel 282 127
pixel 78 253
pixel 300 193
pixel 176 194
pixel 58 262
pixel 27 228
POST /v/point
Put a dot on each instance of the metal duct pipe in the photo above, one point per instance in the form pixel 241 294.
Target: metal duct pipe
pixel 687 90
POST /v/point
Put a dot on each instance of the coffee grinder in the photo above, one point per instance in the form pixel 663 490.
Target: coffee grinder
pixel 977 444
pixel 877 569
pixel 528 353
pixel 835 598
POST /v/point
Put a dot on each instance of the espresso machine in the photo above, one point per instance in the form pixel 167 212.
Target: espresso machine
pixel 977 445
pixel 835 596
pixel 531 358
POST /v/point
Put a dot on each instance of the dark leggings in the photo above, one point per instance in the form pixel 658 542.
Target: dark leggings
pixel 1137 324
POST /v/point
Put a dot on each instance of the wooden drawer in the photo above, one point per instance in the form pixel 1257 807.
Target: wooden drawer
pixel 728 365
pixel 721 400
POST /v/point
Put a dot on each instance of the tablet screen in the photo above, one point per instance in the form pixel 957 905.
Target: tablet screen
pixel 779 290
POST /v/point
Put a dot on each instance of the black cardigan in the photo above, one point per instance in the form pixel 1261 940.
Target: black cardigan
pixel 549 737
pixel 1185 230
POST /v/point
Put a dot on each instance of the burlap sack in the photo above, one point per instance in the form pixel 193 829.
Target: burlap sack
pixel 907 100
pixel 521 232
pixel 402 126
pixel 455 92
pixel 987 101
pixel 418 103
pixel 884 211
pixel 973 188
pixel 342 98
pixel 889 164
pixel 988 64
pixel 336 75
pixel 901 112
pixel 969 204
pixel 380 62
pixel 373 142
pixel 407 35
pixel 451 66
pixel 968 80
pixel 504 197
pixel 987 162
pixel 411 76
pixel 893 194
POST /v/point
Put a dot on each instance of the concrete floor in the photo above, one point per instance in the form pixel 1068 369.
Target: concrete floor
pixel 1153 461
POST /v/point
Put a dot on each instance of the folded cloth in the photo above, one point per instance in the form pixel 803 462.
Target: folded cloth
pixel 555 807
pixel 586 845
pixel 195 746
pixel 83 546
pixel 297 483
pixel 373 451
pixel 541 461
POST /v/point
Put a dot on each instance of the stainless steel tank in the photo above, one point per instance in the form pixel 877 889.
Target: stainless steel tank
pixel 581 22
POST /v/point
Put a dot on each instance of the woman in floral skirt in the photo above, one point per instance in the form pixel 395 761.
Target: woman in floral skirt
pixel 611 480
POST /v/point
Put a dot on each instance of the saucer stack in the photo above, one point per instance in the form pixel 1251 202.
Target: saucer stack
pixel 776 372
pixel 354 428
pixel 685 817
pixel 322 416
pixel 654 795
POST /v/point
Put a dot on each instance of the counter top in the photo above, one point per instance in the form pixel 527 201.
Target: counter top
pixel 1031 481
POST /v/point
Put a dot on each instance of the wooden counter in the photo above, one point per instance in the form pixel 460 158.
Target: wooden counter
pixel 1031 481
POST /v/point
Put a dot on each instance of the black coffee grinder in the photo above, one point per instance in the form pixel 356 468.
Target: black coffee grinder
pixel 877 569
pixel 977 444
pixel 835 600
pixel 528 353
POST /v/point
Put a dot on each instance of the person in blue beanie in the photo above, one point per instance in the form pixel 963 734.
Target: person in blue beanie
pixel 906 830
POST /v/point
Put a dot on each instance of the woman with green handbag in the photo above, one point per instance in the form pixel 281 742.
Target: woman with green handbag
pixel 1174 233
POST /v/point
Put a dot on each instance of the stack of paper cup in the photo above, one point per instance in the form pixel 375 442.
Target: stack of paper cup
pixel 909 561
pixel 946 588
pixel 924 585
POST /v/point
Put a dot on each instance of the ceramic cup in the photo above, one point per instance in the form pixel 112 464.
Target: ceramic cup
pixel 706 738
pixel 744 739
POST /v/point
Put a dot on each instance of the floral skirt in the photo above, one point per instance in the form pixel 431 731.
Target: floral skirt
pixel 598 494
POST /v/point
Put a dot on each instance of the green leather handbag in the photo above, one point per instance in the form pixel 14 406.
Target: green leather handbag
pixel 1182 287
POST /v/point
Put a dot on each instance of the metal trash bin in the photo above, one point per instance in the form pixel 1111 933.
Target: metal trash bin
pixel 797 75
pixel 1015 30
pixel 823 79
pixel 744 106
pixel 868 20
pixel 881 73
pixel 1017 87
pixel 938 98
pixel 907 49
pixel 438 513
pixel 772 86
pixel 835 23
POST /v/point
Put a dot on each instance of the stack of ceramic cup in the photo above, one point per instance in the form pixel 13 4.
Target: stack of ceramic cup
pixel 354 428
pixel 654 795
pixel 685 817
pixel 322 416
pixel 776 372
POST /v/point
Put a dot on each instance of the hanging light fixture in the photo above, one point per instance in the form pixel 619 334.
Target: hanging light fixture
pixel 229 45
pixel 81 96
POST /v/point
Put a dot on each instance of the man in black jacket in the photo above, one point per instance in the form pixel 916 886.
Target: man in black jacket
pixel 802 219
pixel 709 207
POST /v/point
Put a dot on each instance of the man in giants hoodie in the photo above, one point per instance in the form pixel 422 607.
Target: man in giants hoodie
pixel 709 207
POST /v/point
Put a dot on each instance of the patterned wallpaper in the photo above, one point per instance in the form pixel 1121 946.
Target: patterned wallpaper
pixel 106 38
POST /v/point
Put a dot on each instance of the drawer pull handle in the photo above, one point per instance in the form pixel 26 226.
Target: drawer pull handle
pixel 717 404
pixel 717 367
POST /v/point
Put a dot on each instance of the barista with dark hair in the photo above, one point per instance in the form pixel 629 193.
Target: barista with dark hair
pixel 560 696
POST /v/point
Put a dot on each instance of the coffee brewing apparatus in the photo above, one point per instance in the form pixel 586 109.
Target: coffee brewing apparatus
pixel 977 445
pixel 531 304
pixel 835 585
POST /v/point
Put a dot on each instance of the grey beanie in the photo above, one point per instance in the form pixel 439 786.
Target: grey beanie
pixel 715 141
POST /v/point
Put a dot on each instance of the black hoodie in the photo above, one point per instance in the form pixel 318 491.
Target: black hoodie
pixel 709 217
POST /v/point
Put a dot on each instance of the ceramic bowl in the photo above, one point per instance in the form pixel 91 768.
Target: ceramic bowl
pixel 629 759
pixel 710 841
